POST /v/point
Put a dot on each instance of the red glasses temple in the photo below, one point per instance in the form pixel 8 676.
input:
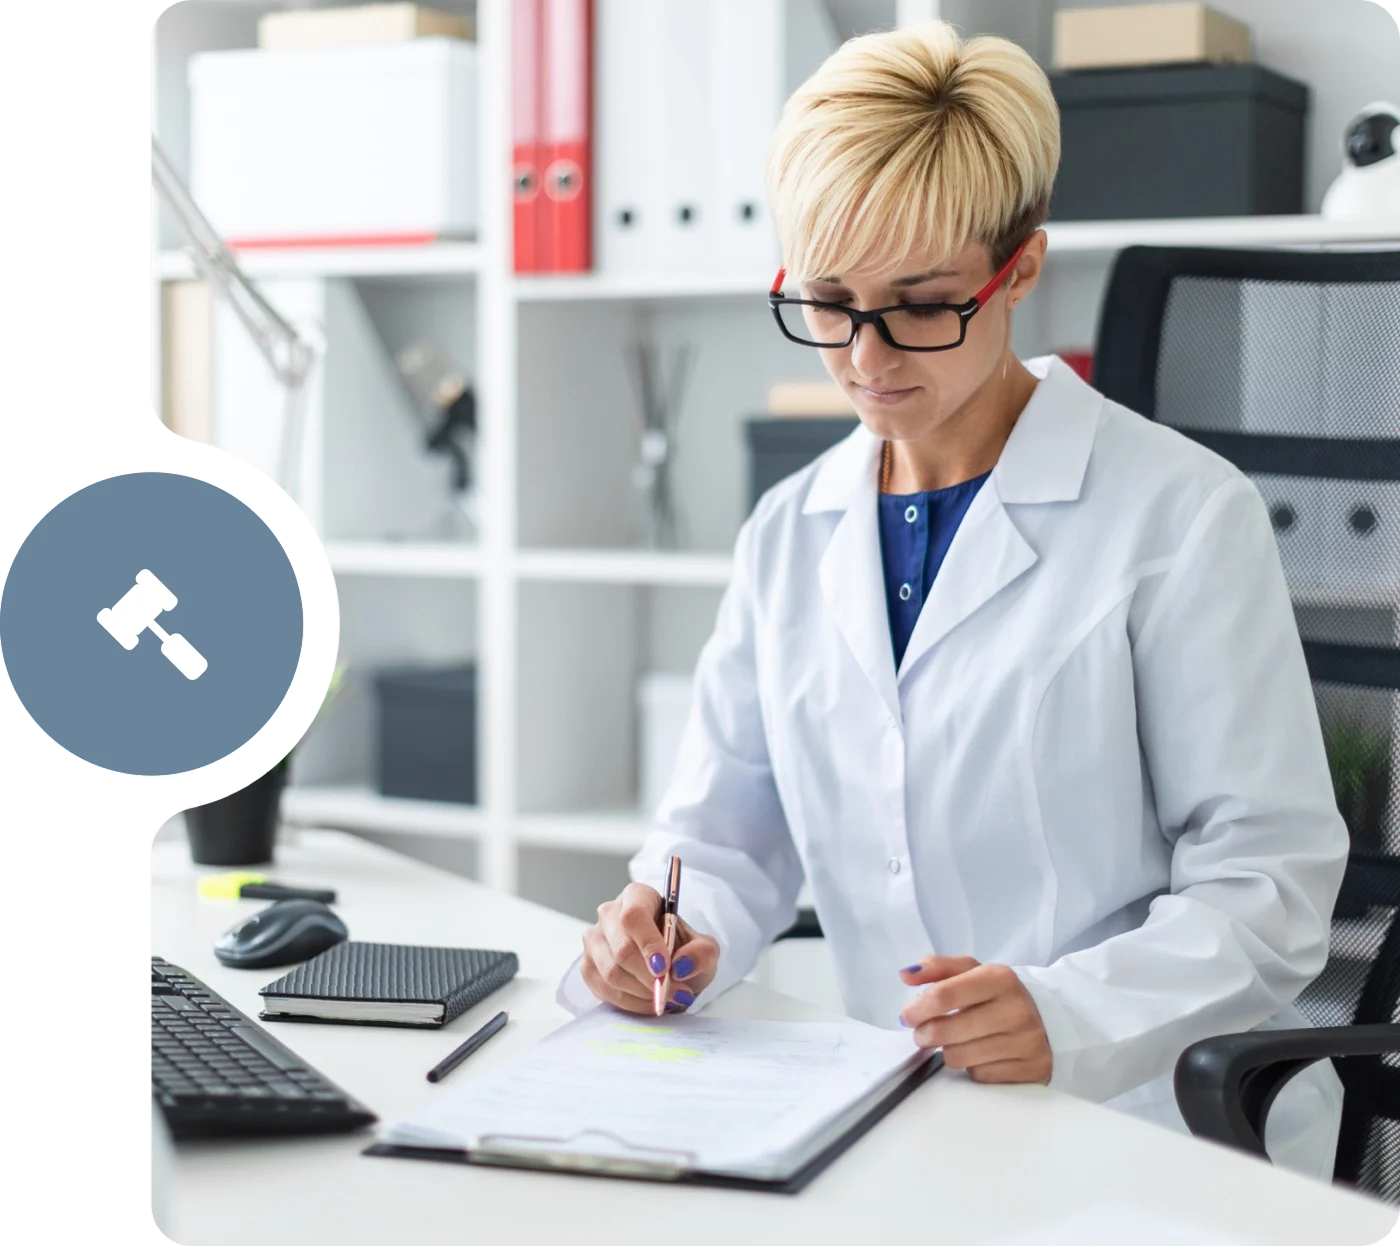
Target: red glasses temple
pixel 979 298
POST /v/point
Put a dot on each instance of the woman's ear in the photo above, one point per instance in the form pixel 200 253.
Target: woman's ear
pixel 1028 268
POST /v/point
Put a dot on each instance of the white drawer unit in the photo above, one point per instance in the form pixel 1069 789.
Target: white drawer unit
pixel 1300 527
pixel 1363 521
pixel 336 144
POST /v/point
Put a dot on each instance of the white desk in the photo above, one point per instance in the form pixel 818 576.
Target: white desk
pixel 955 1163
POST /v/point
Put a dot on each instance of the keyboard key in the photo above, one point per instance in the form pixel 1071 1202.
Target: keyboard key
pixel 214 1072
pixel 266 1047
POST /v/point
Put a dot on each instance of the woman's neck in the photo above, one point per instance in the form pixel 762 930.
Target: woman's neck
pixel 968 443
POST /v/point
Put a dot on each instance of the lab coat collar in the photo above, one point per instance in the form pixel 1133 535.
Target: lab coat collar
pixel 1044 460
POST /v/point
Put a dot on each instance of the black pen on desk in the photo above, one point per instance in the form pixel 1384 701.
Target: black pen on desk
pixel 493 1026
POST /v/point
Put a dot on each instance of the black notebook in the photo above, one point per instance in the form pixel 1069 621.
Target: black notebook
pixel 387 984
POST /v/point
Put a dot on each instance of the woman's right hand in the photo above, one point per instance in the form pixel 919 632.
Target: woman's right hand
pixel 624 953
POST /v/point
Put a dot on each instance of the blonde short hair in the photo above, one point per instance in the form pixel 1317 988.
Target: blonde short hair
pixel 912 140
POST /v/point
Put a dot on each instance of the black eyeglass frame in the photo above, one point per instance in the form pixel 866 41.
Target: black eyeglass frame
pixel 876 315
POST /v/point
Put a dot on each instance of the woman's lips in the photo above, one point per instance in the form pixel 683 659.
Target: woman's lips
pixel 885 398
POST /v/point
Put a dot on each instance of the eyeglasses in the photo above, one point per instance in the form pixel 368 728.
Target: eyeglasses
pixel 905 326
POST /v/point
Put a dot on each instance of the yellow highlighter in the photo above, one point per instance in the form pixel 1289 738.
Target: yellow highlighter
pixel 240 884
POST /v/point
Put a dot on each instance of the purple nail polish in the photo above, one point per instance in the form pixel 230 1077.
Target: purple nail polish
pixel 670 1007
pixel 911 969
pixel 685 998
pixel 903 1022
pixel 657 963
pixel 684 967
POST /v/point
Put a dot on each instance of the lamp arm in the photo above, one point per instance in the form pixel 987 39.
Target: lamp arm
pixel 289 355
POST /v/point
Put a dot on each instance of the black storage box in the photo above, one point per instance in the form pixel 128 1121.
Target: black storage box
pixel 1179 140
pixel 427 732
pixel 779 446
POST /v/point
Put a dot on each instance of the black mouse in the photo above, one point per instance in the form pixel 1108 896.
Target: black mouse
pixel 281 934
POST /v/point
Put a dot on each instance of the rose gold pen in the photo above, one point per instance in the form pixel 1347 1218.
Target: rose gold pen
pixel 670 920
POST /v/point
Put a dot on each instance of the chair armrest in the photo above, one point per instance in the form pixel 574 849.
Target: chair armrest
pixel 1226 1085
pixel 805 927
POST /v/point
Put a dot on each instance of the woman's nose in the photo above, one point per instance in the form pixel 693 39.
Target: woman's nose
pixel 871 355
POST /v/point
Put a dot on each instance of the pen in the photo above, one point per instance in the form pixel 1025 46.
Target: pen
pixel 493 1026
pixel 669 921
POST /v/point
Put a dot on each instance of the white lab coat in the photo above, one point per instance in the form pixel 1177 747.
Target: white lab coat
pixel 1099 761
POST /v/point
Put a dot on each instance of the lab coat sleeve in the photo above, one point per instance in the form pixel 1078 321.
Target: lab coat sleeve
pixel 1229 730
pixel 721 813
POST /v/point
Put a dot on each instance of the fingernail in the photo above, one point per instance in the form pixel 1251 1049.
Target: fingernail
pixel 903 1022
pixel 911 969
pixel 685 998
pixel 670 1007
pixel 657 963
pixel 684 967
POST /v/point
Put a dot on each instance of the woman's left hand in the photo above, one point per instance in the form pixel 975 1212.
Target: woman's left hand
pixel 982 1016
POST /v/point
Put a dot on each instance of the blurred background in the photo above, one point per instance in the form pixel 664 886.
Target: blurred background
pixel 527 247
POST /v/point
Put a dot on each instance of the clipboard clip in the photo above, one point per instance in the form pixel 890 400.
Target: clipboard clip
pixel 590 1150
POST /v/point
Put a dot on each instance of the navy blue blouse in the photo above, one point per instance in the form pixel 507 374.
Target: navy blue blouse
pixel 915 532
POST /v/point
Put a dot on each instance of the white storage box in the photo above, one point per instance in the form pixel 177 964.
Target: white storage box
pixel 663 705
pixel 336 145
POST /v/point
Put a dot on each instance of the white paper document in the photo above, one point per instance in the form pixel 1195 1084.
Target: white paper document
pixel 710 1094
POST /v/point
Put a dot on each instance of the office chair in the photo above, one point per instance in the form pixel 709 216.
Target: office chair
pixel 1288 365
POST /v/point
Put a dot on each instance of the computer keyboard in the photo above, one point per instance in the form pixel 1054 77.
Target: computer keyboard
pixel 214 1072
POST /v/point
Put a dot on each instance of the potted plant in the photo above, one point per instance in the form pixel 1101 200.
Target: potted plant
pixel 241 828
pixel 1359 759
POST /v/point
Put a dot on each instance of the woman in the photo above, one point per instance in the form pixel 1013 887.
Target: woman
pixel 1010 675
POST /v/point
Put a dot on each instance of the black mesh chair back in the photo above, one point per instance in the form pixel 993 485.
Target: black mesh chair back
pixel 1288 364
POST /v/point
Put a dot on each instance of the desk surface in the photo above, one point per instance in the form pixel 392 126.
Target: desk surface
pixel 956 1163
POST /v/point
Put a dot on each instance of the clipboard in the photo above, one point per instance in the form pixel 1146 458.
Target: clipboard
pixel 644 1164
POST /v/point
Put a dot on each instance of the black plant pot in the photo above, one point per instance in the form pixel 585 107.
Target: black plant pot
pixel 240 828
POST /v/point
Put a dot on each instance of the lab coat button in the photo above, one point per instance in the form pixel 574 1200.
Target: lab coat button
pixel 905 592
pixel 894 865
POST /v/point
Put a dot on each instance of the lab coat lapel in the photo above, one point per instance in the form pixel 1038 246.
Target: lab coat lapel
pixel 1044 461
pixel 987 554
pixel 851 572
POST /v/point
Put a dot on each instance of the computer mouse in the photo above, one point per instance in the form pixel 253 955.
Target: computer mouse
pixel 284 933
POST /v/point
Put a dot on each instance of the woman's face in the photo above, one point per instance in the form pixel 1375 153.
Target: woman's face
pixel 906 395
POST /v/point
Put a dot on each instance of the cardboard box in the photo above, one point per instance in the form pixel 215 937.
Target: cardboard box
pixel 1148 34
pixel 361 23
pixel 806 398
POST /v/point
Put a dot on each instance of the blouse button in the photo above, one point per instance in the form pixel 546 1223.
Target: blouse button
pixel 910 514
pixel 894 865
pixel 905 592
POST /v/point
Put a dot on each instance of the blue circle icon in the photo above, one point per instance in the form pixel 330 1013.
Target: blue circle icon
pixel 151 623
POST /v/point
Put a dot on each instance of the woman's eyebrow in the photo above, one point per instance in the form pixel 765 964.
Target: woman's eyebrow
pixel 916 279
pixel 928 276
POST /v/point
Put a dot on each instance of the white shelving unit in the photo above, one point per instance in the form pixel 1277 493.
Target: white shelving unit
pixel 556 609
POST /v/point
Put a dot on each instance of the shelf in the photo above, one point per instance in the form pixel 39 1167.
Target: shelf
pixel 600 566
pixel 438 259
pixel 454 259
pixel 584 287
pixel 1103 237
pixel 620 831
pixel 362 809
pixel 1343 596
pixel 409 558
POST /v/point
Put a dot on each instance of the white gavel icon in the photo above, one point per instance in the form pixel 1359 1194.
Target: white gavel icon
pixel 137 611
